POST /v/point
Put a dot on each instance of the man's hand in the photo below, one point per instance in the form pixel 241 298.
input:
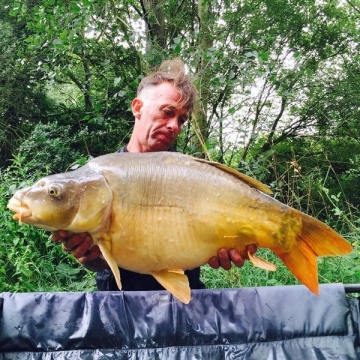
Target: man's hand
pixel 225 257
pixel 81 247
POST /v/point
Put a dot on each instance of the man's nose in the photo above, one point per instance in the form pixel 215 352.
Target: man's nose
pixel 173 123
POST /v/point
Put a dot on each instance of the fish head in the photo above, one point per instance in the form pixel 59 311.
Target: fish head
pixel 76 201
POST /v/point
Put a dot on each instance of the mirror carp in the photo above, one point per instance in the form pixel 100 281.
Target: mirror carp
pixel 162 213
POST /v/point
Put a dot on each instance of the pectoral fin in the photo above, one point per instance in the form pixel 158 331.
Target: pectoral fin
pixel 261 263
pixel 176 282
pixel 111 262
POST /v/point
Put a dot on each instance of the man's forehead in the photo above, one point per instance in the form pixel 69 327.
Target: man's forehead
pixel 164 96
pixel 163 90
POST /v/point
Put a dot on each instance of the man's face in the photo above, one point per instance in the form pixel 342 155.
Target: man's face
pixel 158 117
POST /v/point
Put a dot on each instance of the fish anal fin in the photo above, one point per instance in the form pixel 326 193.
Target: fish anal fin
pixel 261 263
pixel 176 271
pixel 111 261
pixel 176 282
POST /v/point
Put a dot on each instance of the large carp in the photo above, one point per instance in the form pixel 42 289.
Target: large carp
pixel 162 213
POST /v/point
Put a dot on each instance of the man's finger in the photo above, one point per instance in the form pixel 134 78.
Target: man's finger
pixel 224 259
pixel 236 257
pixel 92 254
pixel 59 236
pixel 214 262
pixel 74 240
pixel 81 248
pixel 252 248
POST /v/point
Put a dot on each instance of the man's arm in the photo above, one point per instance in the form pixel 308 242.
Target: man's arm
pixel 80 246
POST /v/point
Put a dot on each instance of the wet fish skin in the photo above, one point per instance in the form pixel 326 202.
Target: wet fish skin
pixel 162 213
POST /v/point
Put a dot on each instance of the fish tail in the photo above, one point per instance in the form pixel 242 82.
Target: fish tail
pixel 315 239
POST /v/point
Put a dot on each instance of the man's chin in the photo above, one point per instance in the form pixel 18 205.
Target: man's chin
pixel 161 146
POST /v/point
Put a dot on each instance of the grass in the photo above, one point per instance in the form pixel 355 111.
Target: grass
pixel 30 262
pixel 248 275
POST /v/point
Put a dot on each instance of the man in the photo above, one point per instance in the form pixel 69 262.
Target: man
pixel 163 103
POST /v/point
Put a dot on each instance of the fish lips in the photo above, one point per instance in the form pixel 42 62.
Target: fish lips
pixel 21 210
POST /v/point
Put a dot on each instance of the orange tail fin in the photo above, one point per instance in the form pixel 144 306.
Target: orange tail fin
pixel 315 239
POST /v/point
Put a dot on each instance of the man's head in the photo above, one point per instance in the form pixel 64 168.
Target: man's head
pixel 173 72
pixel 163 104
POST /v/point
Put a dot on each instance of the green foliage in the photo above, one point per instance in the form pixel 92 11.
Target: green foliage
pixel 54 147
pixel 29 261
pixel 50 147
pixel 317 176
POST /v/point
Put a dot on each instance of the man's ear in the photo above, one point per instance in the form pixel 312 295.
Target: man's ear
pixel 136 106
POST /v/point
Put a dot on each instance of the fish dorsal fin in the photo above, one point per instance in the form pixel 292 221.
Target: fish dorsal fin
pixel 245 178
pixel 111 261
pixel 176 282
pixel 261 263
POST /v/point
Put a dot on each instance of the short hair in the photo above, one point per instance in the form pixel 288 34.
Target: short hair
pixel 173 71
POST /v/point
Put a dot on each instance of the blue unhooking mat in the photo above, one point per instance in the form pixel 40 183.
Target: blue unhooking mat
pixel 252 323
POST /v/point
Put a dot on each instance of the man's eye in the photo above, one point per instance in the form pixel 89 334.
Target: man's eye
pixel 168 112
pixel 182 121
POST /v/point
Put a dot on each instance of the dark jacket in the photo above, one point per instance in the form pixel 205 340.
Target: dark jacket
pixel 132 281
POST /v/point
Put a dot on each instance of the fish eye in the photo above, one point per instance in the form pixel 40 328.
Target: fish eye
pixel 54 191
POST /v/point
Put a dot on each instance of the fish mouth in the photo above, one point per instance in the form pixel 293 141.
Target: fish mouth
pixel 21 210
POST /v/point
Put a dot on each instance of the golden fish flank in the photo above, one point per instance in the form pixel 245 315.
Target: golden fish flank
pixel 203 206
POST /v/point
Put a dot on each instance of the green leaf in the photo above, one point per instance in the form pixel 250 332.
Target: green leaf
pixel 57 42
pixel 117 80
pixel 67 270
pixel 75 8
pixel 121 93
pixel 250 54
pixel 271 282
pixel 263 55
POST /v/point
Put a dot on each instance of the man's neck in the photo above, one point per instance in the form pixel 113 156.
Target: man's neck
pixel 135 147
